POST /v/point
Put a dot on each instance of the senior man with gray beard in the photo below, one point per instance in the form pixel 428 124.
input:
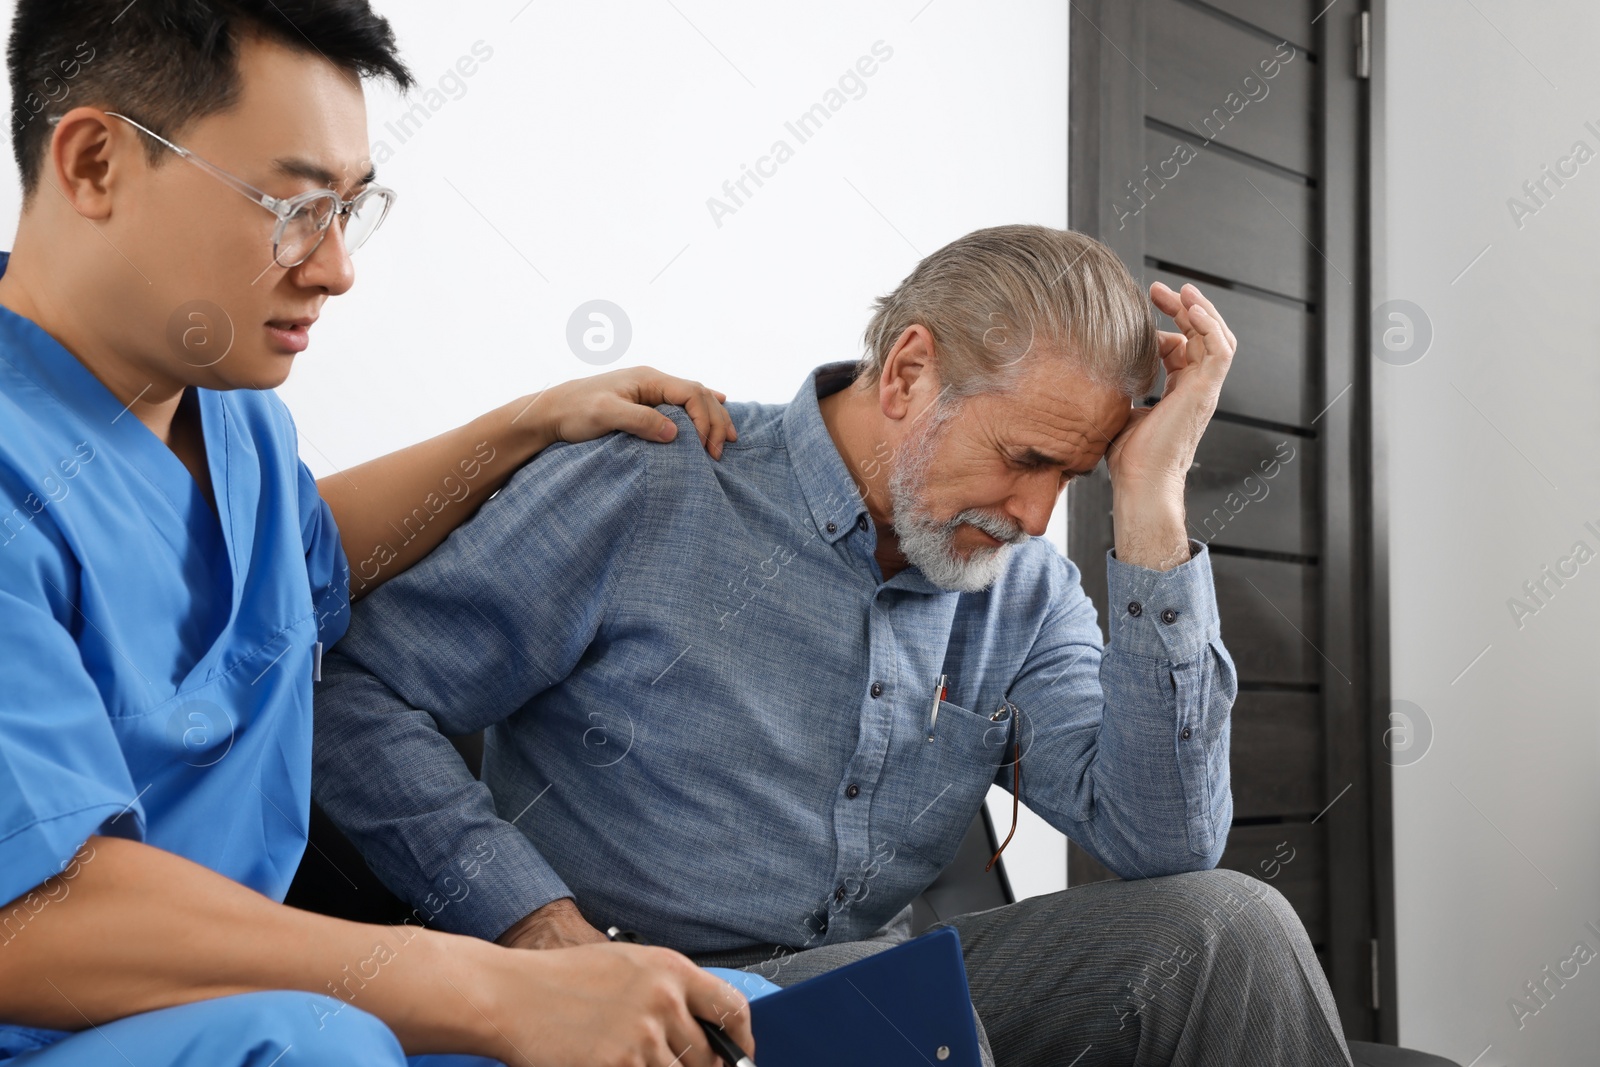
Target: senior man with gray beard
pixel 749 707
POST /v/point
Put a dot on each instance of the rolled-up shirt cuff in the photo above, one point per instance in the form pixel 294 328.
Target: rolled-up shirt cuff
pixel 1166 615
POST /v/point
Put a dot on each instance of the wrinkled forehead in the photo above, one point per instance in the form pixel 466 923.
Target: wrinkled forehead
pixel 1057 413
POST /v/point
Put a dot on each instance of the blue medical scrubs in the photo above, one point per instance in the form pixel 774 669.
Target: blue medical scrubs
pixel 156 664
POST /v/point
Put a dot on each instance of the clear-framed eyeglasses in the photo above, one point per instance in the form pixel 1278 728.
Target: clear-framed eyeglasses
pixel 303 220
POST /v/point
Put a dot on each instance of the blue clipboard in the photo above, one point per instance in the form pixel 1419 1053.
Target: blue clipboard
pixel 907 1006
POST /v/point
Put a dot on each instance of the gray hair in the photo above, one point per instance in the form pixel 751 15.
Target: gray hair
pixel 994 296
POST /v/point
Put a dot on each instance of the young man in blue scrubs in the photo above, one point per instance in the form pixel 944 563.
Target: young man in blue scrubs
pixel 196 178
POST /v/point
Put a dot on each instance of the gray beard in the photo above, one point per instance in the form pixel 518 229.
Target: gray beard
pixel 928 544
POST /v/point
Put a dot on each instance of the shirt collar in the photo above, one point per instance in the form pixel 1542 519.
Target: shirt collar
pixel 831 494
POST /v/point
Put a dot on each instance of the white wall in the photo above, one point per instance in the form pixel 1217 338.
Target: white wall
pixel 576 161
pixel 1493 439
pixel 579 161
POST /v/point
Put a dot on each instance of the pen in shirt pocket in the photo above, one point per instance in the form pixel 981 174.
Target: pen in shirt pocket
pixel 941 689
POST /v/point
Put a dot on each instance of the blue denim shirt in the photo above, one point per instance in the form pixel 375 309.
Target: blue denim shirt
pixel 709 717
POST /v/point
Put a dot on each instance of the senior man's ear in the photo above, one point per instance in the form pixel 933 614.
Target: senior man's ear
pixel 910 378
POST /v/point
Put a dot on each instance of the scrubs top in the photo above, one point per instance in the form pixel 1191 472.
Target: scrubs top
pixel 156 657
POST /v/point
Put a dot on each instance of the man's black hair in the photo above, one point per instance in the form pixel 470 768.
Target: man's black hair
pixel 168 62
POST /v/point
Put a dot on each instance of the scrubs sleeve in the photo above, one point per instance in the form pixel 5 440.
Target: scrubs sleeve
pixel 326 566
pixel 63 778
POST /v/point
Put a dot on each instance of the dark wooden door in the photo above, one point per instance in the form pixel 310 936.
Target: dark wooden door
pixel 1224 143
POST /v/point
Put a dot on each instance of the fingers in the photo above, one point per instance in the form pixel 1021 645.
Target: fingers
pixel 703 406
pixel 686 1044
pixel 1216 341
pixel 1192 297
pixel 640 420
pixel 696 994
pixel 1172 348
pixel 1166 301
pixel 1178 307
pixel 1173 305
pixel 665 988
pixel 668 1036
pixel 711 420
pixel 717 1002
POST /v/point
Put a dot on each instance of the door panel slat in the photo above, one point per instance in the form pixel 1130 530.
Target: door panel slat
pixel 1288 19
pixel 1276 754
pixel 1257 99
pixel 1263 603
pixel 1250 488
pixel 1216 214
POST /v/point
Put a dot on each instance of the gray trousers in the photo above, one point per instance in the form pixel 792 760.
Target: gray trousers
pixel 1208 968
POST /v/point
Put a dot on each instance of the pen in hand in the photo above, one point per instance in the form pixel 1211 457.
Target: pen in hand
pixel 724 1045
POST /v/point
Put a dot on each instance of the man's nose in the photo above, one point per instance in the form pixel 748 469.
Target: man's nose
pixel 330 267
pixel 1034 500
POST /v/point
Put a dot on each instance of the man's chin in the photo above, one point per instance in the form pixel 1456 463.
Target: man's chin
pixel 265 370
pixel 971 572
pixel 931 547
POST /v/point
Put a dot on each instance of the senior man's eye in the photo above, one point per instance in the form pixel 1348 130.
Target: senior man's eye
pixel 1029 460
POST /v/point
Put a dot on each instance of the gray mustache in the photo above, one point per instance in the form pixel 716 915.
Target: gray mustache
pixel 1000 529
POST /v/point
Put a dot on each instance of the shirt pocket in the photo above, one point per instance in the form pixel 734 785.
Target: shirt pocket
pixel 946 780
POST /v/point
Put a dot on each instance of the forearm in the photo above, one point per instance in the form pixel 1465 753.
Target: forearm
pixel 394 510
pixel 1129 752
pixel 132 928
pixel 1163 802
pixel 1149 527
pixel 392 782
pixel 1168 685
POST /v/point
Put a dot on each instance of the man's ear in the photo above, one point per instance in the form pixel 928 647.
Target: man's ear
pixel 88 149
pixel 909 379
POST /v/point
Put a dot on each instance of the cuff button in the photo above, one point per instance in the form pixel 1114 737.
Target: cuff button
pixel 1169 616
pixel 1135 608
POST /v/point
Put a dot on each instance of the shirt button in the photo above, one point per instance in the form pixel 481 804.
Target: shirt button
pixel 833 527
pixel 876 690
pixel 838 895
pixel 1169 616
pixel 861 524
pixel 1185 734
pixel 852 791
pixel 1135 608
